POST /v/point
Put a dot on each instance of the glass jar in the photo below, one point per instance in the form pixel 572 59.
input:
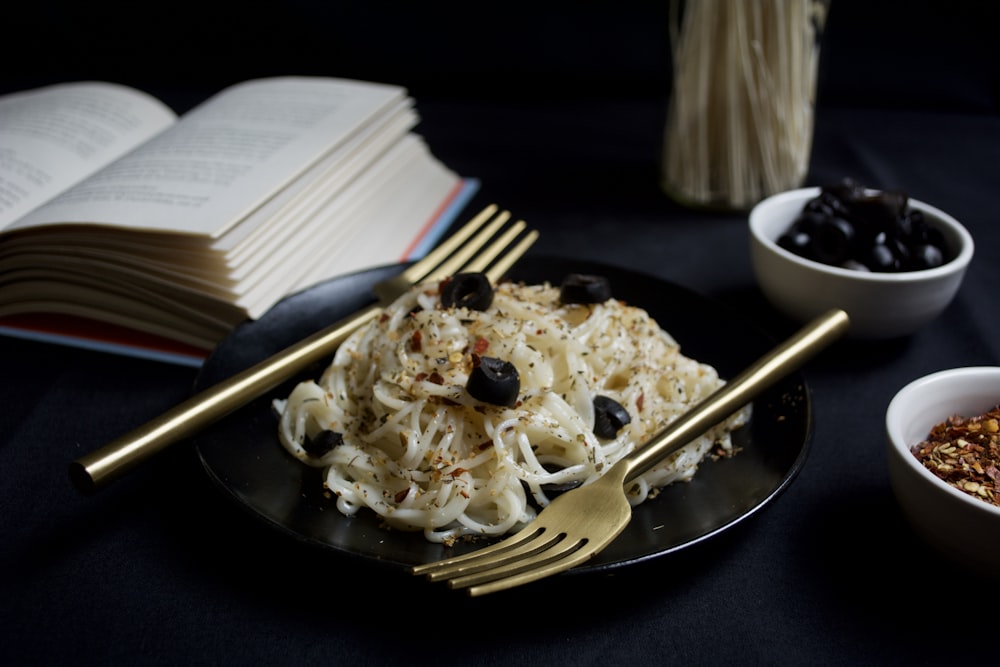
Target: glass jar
pixel 740 117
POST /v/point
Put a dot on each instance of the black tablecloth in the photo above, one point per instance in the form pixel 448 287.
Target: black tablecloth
pixel 160 568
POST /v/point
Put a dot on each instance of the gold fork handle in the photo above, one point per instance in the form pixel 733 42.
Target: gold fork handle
pixel 741 390
pixel 96 469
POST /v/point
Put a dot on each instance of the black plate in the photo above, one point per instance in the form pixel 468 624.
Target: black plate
pixel 242 455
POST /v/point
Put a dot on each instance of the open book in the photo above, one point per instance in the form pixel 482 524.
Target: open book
pixel 124 223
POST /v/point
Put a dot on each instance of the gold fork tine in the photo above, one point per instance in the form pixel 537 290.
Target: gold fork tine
pixel 564 535
pixel 502 265
pixel 458 259
pixel 519 544
pixel 580 523
pixel 563 555
pixel 94 470
pixel 455 245
pixel 455 253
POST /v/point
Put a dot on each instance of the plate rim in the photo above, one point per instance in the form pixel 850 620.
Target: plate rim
pixel 367 277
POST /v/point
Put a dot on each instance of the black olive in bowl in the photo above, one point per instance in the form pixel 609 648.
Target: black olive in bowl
pixel 881 303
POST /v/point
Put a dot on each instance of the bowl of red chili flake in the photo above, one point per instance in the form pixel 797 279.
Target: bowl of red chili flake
pixel 943 444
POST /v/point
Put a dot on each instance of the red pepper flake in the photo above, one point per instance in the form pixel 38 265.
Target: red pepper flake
pixel 964 452
pixel 481 346
pixel 436 378
pixel 456 472
pixel 401 495
pixel 416 340
pixel 639 401
pixel 485 444
pixel 420 377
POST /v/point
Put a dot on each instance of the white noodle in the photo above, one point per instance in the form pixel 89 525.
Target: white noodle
pixel 740 122
pixel 424 455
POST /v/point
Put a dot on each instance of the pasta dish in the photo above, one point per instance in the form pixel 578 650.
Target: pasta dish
pixel 401 424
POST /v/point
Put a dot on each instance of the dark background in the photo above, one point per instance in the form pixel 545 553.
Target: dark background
pixel 558 108
pixel 880 53
pixel 523 72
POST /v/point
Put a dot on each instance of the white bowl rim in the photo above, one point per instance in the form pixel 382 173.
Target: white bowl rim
pixel 893 424
pixel 958 263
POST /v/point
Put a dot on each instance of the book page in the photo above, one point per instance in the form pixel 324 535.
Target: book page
pixel 225 158
pixel 53 137
pixel 318 249
pixel 333 172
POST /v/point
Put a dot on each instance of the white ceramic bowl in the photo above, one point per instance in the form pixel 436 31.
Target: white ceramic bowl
pixel 958 525
pixel 880 305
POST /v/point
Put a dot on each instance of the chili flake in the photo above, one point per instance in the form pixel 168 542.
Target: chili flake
pixel 481 346
pixel 965 453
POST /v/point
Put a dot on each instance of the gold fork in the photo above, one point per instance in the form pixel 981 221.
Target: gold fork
pixel 580 523
pixel 456 253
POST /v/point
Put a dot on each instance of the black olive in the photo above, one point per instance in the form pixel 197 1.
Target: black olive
pixel 845 192
pixel 908 227
pixel 823 206
pixel 582 288
pixel 902 250
pixel 609 417
pixel 833 241
pixel 925 256
pixel 880 258
pixel 879 210
pixel 854 265
pixel 796 241
pixel 854 227
pixel 934 237
pixel 324 442
pixel 467 290
pixel 494 381
pixel 808 221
